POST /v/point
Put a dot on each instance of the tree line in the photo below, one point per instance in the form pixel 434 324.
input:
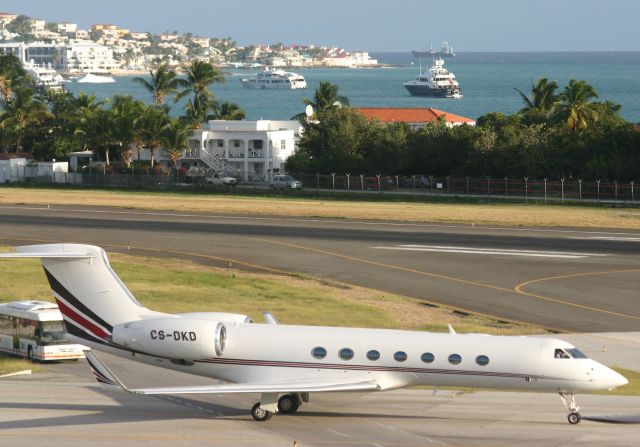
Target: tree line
pixel 557 134
pixel 51 124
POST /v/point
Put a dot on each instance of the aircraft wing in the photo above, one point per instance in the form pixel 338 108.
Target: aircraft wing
pixel 107 378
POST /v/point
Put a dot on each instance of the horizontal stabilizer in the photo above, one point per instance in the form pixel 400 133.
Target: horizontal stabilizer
pixel 59 251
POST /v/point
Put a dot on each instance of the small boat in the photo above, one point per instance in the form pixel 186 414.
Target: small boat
pixel 92 78
pixel 437 82
pixel 274 79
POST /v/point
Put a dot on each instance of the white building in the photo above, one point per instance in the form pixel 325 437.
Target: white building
pixel 38 52
pixel 86 57
pixel 253 149
pixel 66 27
pixel 37 25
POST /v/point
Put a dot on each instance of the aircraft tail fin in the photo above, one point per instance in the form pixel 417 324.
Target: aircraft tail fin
pixel 90 295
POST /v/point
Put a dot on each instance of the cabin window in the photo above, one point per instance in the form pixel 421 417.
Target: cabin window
pixel 560 354
pixel 577 354
pixel 400 356
pixel 455 359
pixel 346 354
pixel 373 355
pixel 319 352
pixel 482 360
pixel 427 357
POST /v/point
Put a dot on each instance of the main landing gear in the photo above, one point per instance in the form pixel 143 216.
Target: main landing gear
pixel 569 401
pixel 270 404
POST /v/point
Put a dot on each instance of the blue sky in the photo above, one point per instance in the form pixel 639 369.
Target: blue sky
pixel 373 25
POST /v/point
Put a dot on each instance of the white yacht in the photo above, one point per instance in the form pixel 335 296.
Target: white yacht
pixel 45 76
pixel 277 79
pixel 92 78
pixel 437 82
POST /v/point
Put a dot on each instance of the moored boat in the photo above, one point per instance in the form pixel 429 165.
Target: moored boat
pixel 274 79
pixel 91 78
pixel 437 82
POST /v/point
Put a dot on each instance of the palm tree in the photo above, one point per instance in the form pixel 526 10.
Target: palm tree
pixel 196 110
pixel 153 125
pixel 325 98
pixel 200 75
pixel 163 83
pixel 95 131
pixel 175 138
pixel 6 89
pixel 123 117
pixel 12 77
pixel 22 112
pixel 575 108
pixel 229 111
pixel 543 97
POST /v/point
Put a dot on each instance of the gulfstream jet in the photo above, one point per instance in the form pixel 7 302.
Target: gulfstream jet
pixel 286 363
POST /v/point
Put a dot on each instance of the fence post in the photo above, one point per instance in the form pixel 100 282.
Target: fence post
pixel 545 191
pixel 467 179
pixel 488 186
pixel 506 186
pixel 348 183
pixel 378 176
pixel 580 187
pixel 598 182
pixel 632 197
pixel 397 182
pixel 615 194
pixel 448 183
pixel 526 190
pixel 431 184
pixel 333 181
pixel 362 182
pixel 562 189
pixel 414 183
pixel 317 182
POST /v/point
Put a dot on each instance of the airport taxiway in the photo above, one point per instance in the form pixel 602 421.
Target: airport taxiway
pixel 65 407
pixel 566 279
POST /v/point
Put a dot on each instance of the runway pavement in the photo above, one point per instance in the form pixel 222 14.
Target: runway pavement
pixel 564 279
pixel 65 407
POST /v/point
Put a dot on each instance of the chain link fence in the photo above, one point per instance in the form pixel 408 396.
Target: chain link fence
pixel 506 188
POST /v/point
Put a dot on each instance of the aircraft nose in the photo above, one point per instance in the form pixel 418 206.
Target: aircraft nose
pixel 614 379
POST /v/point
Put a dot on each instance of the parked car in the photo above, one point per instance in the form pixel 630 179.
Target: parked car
pixel 221 179
pixel 285 181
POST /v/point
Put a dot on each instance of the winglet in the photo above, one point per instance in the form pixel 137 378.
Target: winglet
pixel 451 329
pixel 103 375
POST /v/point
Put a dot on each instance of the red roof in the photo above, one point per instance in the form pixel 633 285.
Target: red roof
pixel 411 115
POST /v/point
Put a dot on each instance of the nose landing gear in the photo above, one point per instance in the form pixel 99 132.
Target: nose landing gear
pixel 569 401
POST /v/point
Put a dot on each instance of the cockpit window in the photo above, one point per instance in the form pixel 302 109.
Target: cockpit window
pixel 560 354
pixel 577 354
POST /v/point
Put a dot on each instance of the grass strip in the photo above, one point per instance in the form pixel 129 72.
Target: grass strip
pixel 517 215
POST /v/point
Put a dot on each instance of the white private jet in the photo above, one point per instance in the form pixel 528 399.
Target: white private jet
pixel 285 363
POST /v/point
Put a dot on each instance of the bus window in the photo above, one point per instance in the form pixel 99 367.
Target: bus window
pixel 28 329
pixel 51 332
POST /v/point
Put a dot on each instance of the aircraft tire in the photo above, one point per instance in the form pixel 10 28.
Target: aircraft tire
pixel 259 414
pixel 288 404
pixel 574 417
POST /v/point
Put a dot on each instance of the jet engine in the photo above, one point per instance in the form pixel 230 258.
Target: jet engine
pixel 173 337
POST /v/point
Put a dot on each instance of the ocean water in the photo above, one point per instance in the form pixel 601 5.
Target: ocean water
pixel 487 81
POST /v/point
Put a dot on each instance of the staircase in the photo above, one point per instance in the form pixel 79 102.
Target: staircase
pixel 216 163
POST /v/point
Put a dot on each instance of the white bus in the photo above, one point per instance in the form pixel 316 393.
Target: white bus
pixel 34 329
